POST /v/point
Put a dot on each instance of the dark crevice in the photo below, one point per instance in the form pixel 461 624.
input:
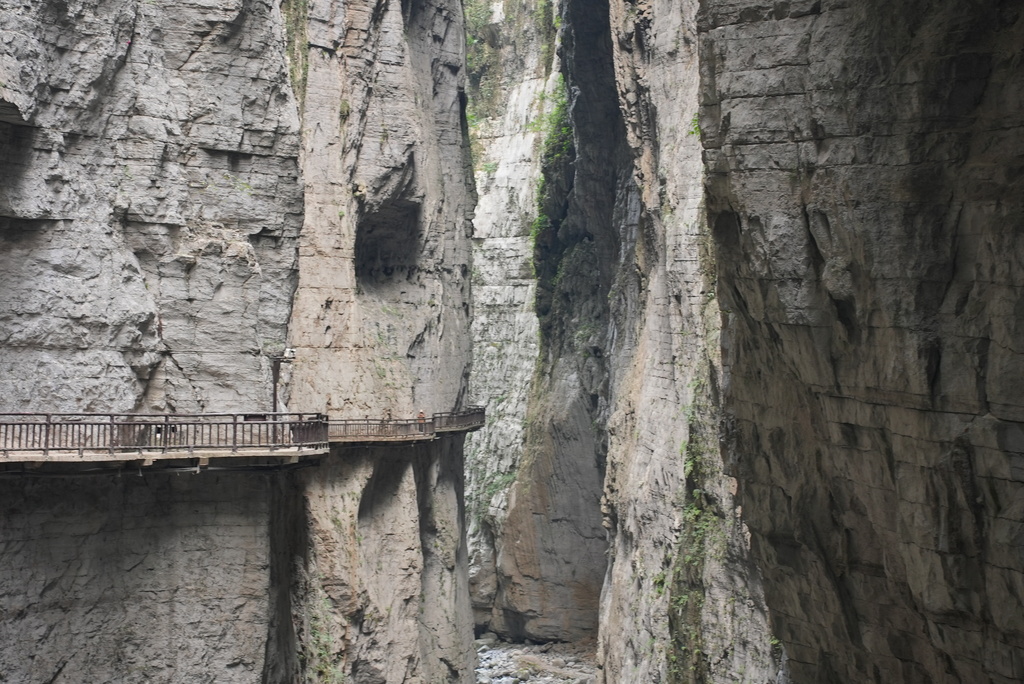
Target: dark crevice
pixel 387 244
pixel 288 542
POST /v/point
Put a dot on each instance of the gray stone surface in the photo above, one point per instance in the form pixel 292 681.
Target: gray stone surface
pixel 866 212
pixel 380 327
pixel 681 601
pixel 630 341
pixel 351 571
pixel 151 205
pixel 552 547
pixel 565 663
pixel 509 97
pixel 161 578
pixel 158 167
pixel 857 164
pixel 846 320
pixel 381 317
pixel 379 591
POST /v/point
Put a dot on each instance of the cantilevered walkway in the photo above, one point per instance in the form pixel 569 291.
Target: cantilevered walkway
pixel 33 439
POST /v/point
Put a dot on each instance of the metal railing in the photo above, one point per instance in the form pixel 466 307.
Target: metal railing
pixel 472 418
pixel 368 429
pixel 120 433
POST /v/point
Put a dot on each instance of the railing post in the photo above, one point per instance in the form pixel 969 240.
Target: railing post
pixel 46 437
pixel 110 439
pixel 234 432
pixel 167 431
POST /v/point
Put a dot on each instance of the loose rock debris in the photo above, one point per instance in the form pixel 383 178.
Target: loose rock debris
pixel 503 663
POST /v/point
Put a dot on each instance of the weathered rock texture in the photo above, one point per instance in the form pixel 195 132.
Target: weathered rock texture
pixel 159 162
pixel 546 529
pixel 509 82
pixel 381 317
pixel 352 571
pixel 623 294
pixel 628 340
pixel 151 204
pixel 865 198
pixel 381 327
pixel 537 545
pixel 681 601
pixel 161 578
pixel 798 231
pixel 370 570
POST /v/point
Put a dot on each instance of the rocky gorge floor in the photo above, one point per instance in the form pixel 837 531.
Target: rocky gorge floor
pixel 552 663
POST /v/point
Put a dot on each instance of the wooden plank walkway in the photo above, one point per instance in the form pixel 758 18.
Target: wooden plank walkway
pixel 34 438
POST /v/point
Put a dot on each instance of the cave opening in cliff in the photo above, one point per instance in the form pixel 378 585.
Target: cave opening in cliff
pixel 16 145
pixel 387 244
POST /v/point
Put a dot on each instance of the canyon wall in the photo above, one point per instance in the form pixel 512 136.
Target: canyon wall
pixel 626 377
pixel 161 577
pixel 778 291
pixel 381 317
pixel 368 578
pixel 350 571
pixel 682 600
pixel 535 471
pixel 747 314
pixel 865 200
pixel 510 77
pixel 187 191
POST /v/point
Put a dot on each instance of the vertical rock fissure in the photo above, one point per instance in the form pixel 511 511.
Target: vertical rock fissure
pixel 551 560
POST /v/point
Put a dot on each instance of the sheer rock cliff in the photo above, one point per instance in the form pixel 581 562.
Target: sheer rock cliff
pixel 801 285
pixel 508 89
pixel 186 191
pixel 151 204
pixel 627 368
pixel 865 201
pixel 537 544
pixel 748 280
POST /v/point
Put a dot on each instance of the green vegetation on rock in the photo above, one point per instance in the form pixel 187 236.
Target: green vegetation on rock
pixel 295 14
pixel 703 536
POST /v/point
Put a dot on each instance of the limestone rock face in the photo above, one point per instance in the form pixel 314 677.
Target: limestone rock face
pixel 151 204
pixel 550 545
pixel 370 568
pixel 681 600
pixel 160 578
pixel 508 91
pixel 381 317
pixel 866 212
pixel 799 222
pixel 355 569
pixel 380 327
pixel 628 365
pixel 159 162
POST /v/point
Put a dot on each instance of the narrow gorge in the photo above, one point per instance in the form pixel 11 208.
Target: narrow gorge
pixel 738 282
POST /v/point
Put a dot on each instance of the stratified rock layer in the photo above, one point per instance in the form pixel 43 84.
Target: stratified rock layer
pixel 381 319
pixel 159 162
pixel 151 203
pixel 509 87
pixel 380 327
pixel 369 569
pixel 682 601
pixel 859 166
pixel 535 471
pixel 865 197
pixel 353 570
pixel 157 578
